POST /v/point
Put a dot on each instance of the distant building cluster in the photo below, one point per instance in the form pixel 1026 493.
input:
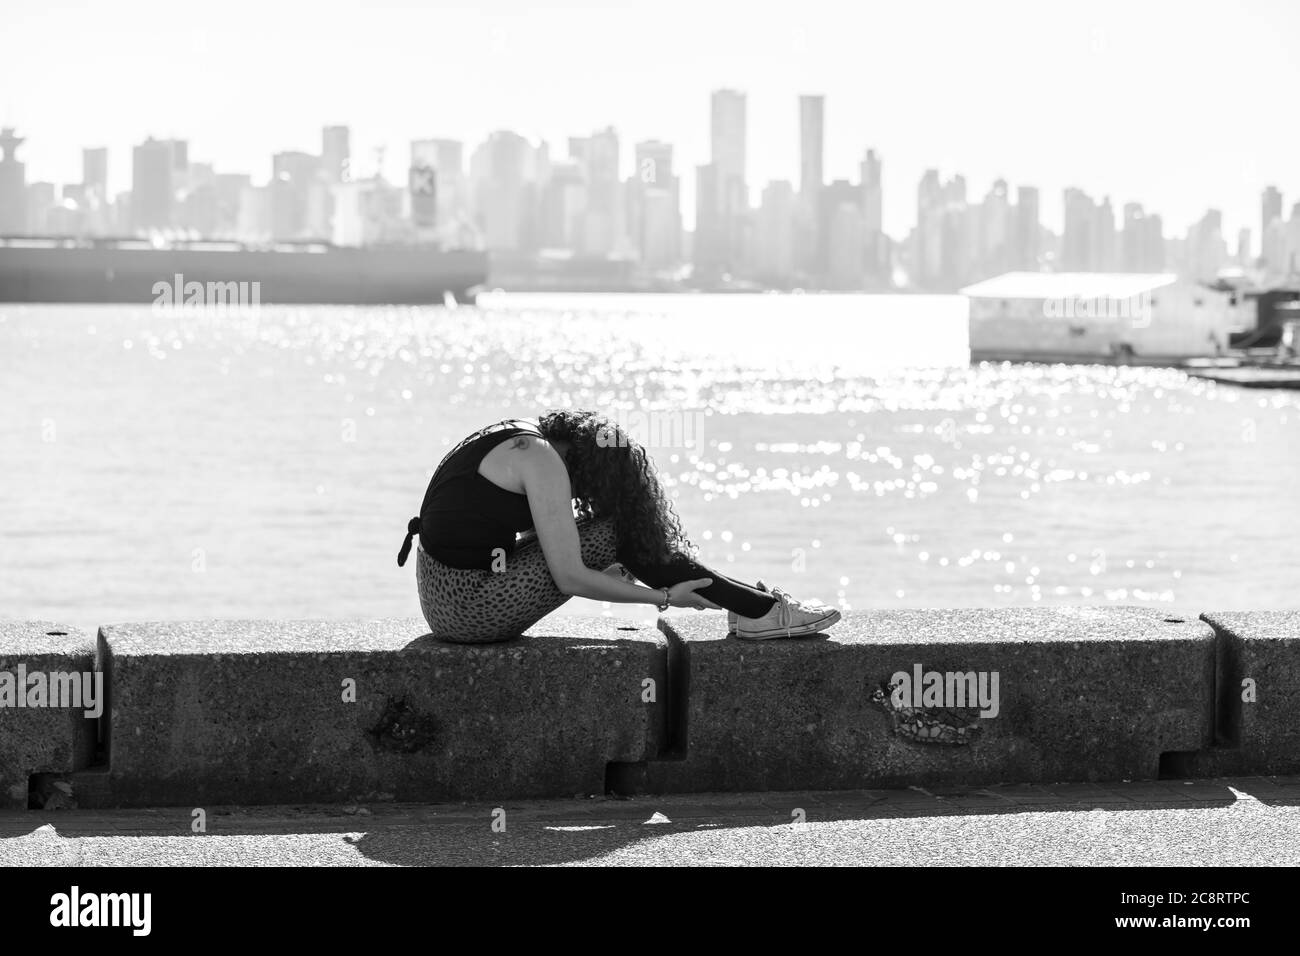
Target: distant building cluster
pixel 529 208
pixel 309 197
pixel 813 234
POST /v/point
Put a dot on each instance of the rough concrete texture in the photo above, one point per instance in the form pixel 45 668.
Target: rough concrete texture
pixel 256 711
pixel 1085 694
pixel 1259 656
pixel 41 739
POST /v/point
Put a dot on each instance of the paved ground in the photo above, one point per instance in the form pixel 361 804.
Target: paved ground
pixel 1240 821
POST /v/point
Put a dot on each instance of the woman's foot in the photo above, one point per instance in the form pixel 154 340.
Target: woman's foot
pixel 733 617
pixel 789 617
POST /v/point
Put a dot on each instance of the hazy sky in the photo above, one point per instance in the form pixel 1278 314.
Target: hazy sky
pixel 1178 105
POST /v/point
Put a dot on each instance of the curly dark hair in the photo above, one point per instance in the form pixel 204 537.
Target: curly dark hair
pixel 612 476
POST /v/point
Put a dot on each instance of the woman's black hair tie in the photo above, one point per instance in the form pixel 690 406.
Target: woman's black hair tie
pixel 412 529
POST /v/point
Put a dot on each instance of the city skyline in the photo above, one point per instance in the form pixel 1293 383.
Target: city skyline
pixel 809 149
pixel 1121 102
pixel 521 199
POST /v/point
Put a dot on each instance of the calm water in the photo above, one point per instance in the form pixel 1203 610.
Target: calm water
pixel 177 465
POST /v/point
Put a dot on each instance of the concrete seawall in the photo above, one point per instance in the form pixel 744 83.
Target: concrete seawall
pixel 276 712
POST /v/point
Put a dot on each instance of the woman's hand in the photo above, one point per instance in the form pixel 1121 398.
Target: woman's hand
pixel 546 482
pixel 683 595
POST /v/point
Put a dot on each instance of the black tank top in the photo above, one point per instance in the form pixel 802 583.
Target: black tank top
pixel 465 517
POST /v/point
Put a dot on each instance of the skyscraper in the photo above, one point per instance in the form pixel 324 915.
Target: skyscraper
pixel 1103 237
pixel 1132 239
pixel 873 213
pixel 196 209
pixel 180 156
pixel 1290 263
pixel 93 209
pixel 654 164
pixel 1142 241
pixel 927 251
pixel 229 192
pixel 812 228
pixel 812 132
pixel 40 205
pixel 946 233
pixel 728 131
pixel 1206 249
pixel 293 174
pixel 503 192
pixel 597 156
pixel 1155 259
pixel 1079 232
pixel 449 161
pixel 13 185
pixel 1273 248
pixel 844 234
pixel 563 206
pixel 335 153
pixel 995 231
pixel 1270 206
pixel 775 234
pixel 960 235
pixel 1027 229
pixel 709 254
pixel 728 134
pixel 655 206
pixel 1243 247
pixel 423 183
pixel 94 170
pixel 153 184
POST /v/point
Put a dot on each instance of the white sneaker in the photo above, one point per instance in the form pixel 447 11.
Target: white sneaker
pixel 789 617
pixel 733 617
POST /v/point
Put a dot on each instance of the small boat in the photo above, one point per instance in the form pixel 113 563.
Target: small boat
pixel 1252 376
pixel 1218 361
pixel 1278 368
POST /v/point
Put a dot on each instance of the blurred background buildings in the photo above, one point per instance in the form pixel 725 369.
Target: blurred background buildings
pixel 584 216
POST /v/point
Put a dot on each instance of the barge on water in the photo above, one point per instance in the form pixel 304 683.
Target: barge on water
pixel 1156 319
pixel 42 269
pixel 1227 332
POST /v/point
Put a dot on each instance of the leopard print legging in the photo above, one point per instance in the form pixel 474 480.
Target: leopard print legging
pixel 478 606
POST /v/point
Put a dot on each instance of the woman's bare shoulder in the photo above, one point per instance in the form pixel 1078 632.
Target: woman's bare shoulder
pixel 533 446
pixel 525 450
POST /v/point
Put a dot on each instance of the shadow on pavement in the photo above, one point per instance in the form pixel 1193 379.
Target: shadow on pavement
pixel 574 831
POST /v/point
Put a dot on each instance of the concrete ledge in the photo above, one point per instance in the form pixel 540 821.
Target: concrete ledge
pixel 274 712
pixel 49 737
pixel 258 712
pixel 1259 658
pixel 1085 694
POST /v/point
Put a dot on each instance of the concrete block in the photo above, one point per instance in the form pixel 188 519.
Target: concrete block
pixel 1258 699
pixel 286 712
pixel 1082 694
pixel 43 722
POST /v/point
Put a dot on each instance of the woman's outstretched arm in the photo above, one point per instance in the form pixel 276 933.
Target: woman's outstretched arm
pixel 550 498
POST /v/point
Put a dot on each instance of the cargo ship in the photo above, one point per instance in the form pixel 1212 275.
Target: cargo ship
pixel 41 269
